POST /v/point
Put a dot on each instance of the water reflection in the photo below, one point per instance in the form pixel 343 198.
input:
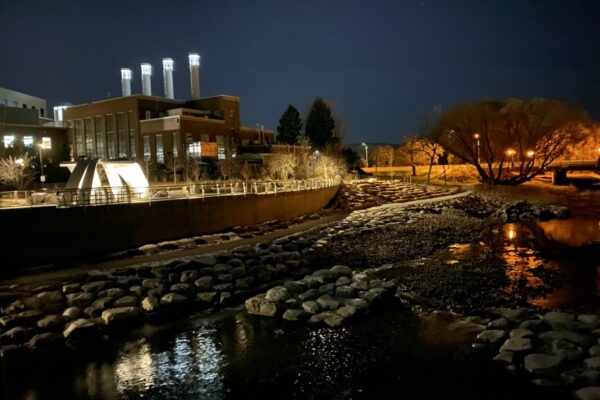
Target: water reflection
pixel 191 365
pixel 574 232
pixel 521 262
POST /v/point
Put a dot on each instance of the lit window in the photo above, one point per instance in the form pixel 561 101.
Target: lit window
pixel 46 143
pixel 195 149
pixel 9 141
pixel 28 141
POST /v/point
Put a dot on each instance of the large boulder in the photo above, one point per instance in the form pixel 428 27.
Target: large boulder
pixel 542 364
pixel 81 329
pixel 51 322
pixel 121 316
pixel 47 341
pixel 277 294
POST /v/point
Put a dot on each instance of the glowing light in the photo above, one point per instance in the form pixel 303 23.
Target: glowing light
pixel 20 162
pixel 28 141
pixel 9 141
pixel 510 152
pixel 530 153
pixel 194 59
pixel 46 143
pixel 476 136
pixel 125 74
pixel 168 64
pixel 510 232
pixel 146 69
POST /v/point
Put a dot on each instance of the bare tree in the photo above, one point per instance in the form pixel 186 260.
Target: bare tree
pixel 491 135
pixel 329 166
pixel 281 165
pixel 411 152
pixel 383 155
pixel 17 171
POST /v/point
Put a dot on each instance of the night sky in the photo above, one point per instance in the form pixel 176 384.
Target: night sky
pixel 381 64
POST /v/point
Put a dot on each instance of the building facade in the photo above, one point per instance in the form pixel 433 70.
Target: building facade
pixel 150 129
pixel 12 98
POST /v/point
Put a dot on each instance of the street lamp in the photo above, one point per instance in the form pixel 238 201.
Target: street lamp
pixel 511 153
pixel 42 176
pixel 366 154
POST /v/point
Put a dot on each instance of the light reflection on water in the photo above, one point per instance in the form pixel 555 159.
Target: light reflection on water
pixel 193 362
pixel 573 232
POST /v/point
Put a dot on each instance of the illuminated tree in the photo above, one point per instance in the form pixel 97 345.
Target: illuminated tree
pixel 281 165
pixel 290 126
pixel 383 155
pixel 411 153
pixel 513 141
pixel 17 171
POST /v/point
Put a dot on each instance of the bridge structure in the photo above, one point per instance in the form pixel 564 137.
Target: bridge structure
pixel 560 168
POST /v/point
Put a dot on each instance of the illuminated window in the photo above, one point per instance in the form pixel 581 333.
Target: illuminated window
pixel 160 155
pixel 111 139
pixel 28 141
pixel 46 142
pixel 79 137
pixel 89 137
pixel 9 141
pixel 146 145
pixel 122 135
pixel 99 128
pixel 195 149
pixel 175 144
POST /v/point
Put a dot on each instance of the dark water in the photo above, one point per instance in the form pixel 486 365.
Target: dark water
pixel 235 356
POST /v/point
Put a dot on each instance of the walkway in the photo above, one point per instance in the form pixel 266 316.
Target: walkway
pixel 39 278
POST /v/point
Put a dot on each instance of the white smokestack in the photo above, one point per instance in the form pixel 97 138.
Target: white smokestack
pixel 126 81
pixel 194 59
pixel 168 77
pixel 146 79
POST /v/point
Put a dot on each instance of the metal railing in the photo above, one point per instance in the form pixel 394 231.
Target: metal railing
pixel 126 195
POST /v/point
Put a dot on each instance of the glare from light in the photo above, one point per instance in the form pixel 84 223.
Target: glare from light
pixel 168 64
pixel 530 153
pixel 146 69
pixel 194 59
pixel 125 74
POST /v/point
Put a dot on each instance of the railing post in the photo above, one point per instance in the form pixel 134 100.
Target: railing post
pixel 202 188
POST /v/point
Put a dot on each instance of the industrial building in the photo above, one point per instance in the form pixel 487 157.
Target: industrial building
pixel 149 129
pixel 12 98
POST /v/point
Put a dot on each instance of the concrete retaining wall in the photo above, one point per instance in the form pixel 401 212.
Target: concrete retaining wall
pixel 42 235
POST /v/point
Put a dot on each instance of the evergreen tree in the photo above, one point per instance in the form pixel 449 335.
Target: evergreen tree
pixel 320 125
pixel 290 126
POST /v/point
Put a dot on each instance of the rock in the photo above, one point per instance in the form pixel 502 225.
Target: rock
pixel 46 341
pixel 222 268
pixel 346 311
pixel 121 316
pixel 51 322
pixel 343 281
pixel 183 288
pixel 28 317
pixel 588 393
pixel 223 287
pixel 517 345
pixel 333 320
pixel 544 382
pixel 71 313
pixel 311 307
pixel 345 291
pixel 15 335
pixel 534 325
pixel 327 302
pixel 151 283
pixel 204 283
pixel 238 272
pixel 71 288
pixel 93 287
pixel 206 297
pixel 566 350
pixel 592 363
pixel 156 292
pixel 593 321
pixel 491 336
pixel 115 293
pixel 541 364
pixel 80 329
pixel 127 301
pixel 244 283
pixel 189 276
pixel 81 299
pixel 341 270
pixel 150 304
pixel 49 298
pixel 277 294
pixel 103 303
pixel 500 323
pixel 521 333
pixel 575 338
pixel 358 303
pixel 507 357
pixel 173 299
pixel 310 294
pixel 224 277
pixel 224 298
pixel 559 320
pixel 294 314
pixel 327 288
pixel 594 350
pixel 136 290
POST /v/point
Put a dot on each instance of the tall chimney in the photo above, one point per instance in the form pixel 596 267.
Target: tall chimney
pixel 126 81
pixel 168 77
pixel 146 79
pixel 194 59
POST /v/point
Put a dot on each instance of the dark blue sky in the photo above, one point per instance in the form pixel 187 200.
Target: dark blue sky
pixel 381 64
